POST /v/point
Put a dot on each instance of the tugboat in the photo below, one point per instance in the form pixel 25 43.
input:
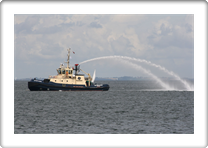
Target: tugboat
pixel 65 80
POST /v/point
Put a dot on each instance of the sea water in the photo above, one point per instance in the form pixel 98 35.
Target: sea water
pixel 129 107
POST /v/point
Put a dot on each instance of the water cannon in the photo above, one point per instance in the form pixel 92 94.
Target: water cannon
pixel 77 68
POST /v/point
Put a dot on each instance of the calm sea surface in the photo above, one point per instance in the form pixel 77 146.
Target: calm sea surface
pixel 129 107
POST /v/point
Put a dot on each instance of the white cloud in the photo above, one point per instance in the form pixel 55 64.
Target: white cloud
pixel 46 37
pixel 19 18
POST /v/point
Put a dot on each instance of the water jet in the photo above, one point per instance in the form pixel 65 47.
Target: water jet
pixel 187 86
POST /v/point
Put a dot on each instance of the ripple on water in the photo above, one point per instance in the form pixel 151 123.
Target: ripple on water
pixel 131 111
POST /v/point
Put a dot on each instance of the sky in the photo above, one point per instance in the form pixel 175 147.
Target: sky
pixel 41 43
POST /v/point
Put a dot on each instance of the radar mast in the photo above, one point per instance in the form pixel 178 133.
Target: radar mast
pixel 68 57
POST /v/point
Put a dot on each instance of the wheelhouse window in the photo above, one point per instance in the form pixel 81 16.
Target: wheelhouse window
pixel 63 71
pixel 59 71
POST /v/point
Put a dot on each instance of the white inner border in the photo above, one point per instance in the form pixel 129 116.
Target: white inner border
pixel 9 139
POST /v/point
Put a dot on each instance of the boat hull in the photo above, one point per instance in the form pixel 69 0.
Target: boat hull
pixel 50 86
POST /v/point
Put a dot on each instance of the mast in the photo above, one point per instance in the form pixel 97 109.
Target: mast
pixel 68 57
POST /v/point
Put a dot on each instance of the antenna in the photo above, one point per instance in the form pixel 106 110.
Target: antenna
pixel 68 57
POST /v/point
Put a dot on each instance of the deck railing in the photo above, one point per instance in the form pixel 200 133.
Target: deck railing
pixel 53 76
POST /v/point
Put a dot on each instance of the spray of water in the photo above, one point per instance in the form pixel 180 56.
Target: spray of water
pixel 137 67
pixel 187 86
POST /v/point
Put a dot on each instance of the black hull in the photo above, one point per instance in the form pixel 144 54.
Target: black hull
pixel 50 86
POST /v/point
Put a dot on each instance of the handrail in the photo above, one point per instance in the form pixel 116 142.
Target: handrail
pixel 53 76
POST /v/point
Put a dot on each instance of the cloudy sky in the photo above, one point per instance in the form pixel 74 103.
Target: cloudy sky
pixel 41 43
